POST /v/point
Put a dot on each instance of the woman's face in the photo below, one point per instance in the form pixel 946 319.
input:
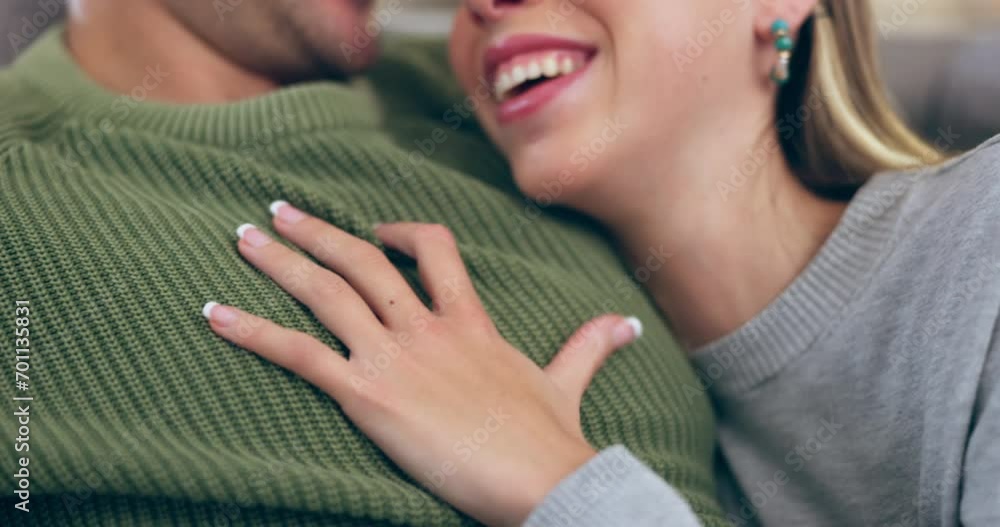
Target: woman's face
pixel 583 91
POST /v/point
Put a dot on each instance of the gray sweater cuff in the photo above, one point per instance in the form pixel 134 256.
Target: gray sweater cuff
pixel 613 488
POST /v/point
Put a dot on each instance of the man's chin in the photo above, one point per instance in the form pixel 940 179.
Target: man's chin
pixel 355 58
pixel 346 32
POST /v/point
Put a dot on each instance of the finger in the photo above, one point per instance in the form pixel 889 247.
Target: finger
pixel 331 299
pixel 584 353
pixel 442 271
pixel 293 350
pixel 362 264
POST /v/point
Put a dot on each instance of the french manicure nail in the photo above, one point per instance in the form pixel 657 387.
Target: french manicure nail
pixel 627 332
pixel 221 315
pixel 252 235
pixel 286 213
pixel 636 325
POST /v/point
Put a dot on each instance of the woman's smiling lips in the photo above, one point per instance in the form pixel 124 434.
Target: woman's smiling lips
pixel 529 71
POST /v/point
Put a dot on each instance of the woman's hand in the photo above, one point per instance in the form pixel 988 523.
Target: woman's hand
pixel 441 392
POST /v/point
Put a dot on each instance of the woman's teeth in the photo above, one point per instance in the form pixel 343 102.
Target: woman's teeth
pixel 517 73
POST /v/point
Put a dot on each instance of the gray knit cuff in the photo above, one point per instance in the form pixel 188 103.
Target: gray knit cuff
pixel 613 488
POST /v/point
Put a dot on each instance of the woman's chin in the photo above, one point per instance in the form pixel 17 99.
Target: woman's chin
pixel 555 185
pixel 557 170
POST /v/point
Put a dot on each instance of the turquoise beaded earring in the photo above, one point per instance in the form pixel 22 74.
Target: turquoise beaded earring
pixel 784 44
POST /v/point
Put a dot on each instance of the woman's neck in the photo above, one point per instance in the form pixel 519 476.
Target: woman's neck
pixel 720 237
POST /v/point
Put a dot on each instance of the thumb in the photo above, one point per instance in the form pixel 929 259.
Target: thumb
pixel 585 352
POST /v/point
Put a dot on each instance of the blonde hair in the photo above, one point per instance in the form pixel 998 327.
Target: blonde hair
pixel 852 131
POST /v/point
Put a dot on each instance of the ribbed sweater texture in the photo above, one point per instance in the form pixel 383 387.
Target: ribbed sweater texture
pixel 118 219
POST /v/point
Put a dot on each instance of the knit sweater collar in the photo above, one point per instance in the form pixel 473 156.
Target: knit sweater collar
pixel 815 300
pixel 49 68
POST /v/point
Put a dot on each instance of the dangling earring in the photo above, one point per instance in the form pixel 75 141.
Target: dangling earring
pixel 784 44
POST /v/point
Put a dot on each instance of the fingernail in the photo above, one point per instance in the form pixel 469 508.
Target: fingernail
pixel 286 212
pixel 252 235
pixel 627 331
pixel 221 315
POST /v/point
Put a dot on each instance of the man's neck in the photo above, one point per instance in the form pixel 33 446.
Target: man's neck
pixel 125 46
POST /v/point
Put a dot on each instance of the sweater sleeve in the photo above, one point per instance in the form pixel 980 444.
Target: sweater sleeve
pixel 980 505
pixel 613 488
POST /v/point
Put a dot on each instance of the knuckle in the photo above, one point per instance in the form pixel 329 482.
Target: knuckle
pixel 485 326
pixel 478 319
pixel 453 291
pixel 365 253
pixel 373 398
pixel 326 245
pixel 433 233
pixel 577 341
pixel 328 285
pixel 300 275
pixel 436 326
pixel 595 327
pixel 420 320
pixel 588 334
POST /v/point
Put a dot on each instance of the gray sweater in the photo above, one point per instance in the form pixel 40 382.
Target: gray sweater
pixel 867 393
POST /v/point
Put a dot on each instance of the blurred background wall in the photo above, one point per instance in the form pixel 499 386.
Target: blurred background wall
pixel 942 15
pixel 431 16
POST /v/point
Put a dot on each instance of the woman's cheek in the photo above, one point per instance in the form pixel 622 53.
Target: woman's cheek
pixel 461 51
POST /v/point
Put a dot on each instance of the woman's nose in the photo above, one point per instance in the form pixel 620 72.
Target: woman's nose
pixel 489 11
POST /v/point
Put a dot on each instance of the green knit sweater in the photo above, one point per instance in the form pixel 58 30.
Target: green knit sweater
pixel 118 224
